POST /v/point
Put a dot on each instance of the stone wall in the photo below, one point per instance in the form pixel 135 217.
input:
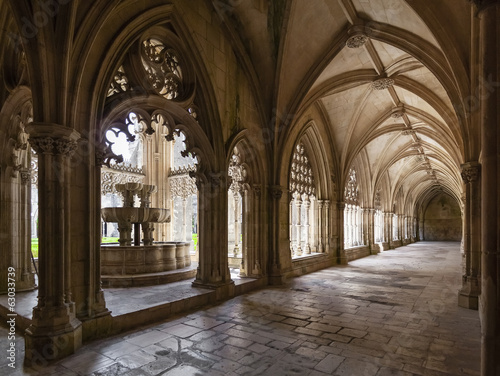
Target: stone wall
pixel 442 220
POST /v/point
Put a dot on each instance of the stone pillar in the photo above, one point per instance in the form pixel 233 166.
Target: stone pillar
pixel 306 206
pixel 342 257
pixel 184 219
pixel 256 234
pixel 298 229
pixel 389 227
pixel 213 268
pixel 489 76
pixel 320 220
pixel 468 296
pixel 374 248
pixel 246 220
pixel 55 332
pixel 236 249
pixel 326 226
pixel 278 234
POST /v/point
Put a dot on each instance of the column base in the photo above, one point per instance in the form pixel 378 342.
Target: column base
pixel 45 344
pixel 374 249
pixel 468 296
pixel 343 257
pixel 223 290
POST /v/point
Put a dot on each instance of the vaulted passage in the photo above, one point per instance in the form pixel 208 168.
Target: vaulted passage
pixel 393 313
pixel 204 149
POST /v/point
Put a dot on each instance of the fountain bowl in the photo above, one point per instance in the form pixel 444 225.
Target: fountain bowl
pixel 135 215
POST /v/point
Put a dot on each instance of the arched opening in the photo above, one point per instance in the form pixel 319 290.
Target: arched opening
pixel 442 219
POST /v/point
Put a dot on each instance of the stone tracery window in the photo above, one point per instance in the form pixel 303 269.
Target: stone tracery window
pixel 303 196
pixel 163 68
pixel 353 217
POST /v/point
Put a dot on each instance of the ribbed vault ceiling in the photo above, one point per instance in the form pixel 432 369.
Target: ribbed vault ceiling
pixel 406 133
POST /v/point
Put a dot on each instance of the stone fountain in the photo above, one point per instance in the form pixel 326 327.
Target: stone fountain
pixel 142 216
pixel 143 264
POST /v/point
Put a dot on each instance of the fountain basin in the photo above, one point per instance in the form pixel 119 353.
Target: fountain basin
pixel 135 215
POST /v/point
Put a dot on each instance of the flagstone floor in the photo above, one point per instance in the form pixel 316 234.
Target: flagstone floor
pixel 394 313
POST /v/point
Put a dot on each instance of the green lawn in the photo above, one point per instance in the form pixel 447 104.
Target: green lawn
pixel 34 243
pixel 109 240
pixel 34 247
pixel 195 240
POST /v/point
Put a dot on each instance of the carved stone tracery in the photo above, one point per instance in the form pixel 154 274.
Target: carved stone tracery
pixel 301 175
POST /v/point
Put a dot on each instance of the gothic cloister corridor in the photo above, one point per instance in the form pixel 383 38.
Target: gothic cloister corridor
pixel 394 313
pixel 250 186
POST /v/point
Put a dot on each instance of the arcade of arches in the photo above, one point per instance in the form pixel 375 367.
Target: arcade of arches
pixel 273 138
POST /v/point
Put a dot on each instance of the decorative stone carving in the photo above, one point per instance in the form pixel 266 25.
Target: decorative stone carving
pixel 119 84
pixel 182 186
pixel 397 112
pixel 382 83
pixel 34 169
pixel 42 145
pixel 470 172
pixel 351 192
pixel 117 174
pixel 65 147
pixel 276 192
pixel 378 200
pixel 408 132
pixel 163 68
pixel 301 175
pixel 237 172
pixel 356 41
pixel 483 4
pixel 25 176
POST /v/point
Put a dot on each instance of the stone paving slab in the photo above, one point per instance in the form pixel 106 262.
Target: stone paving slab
pixel 394 313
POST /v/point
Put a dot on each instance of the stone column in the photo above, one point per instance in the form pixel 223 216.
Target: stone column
pixel 278 234
pixel 374 249
pixel 256 234
pixel 213 268
pixel 320 220
pixel 306 206
pixel 326 228
pixel 54 332
pixel 489 84
pixel 246 219
pixel 342 257
pixel 298 225
pixel 236 249
pixel 468 296
pixel 389 228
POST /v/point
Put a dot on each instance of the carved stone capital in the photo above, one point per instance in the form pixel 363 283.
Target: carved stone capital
pixel 276 192
pixel 52 139
pixel 483 4
pixel 257 189
pixel 470 172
